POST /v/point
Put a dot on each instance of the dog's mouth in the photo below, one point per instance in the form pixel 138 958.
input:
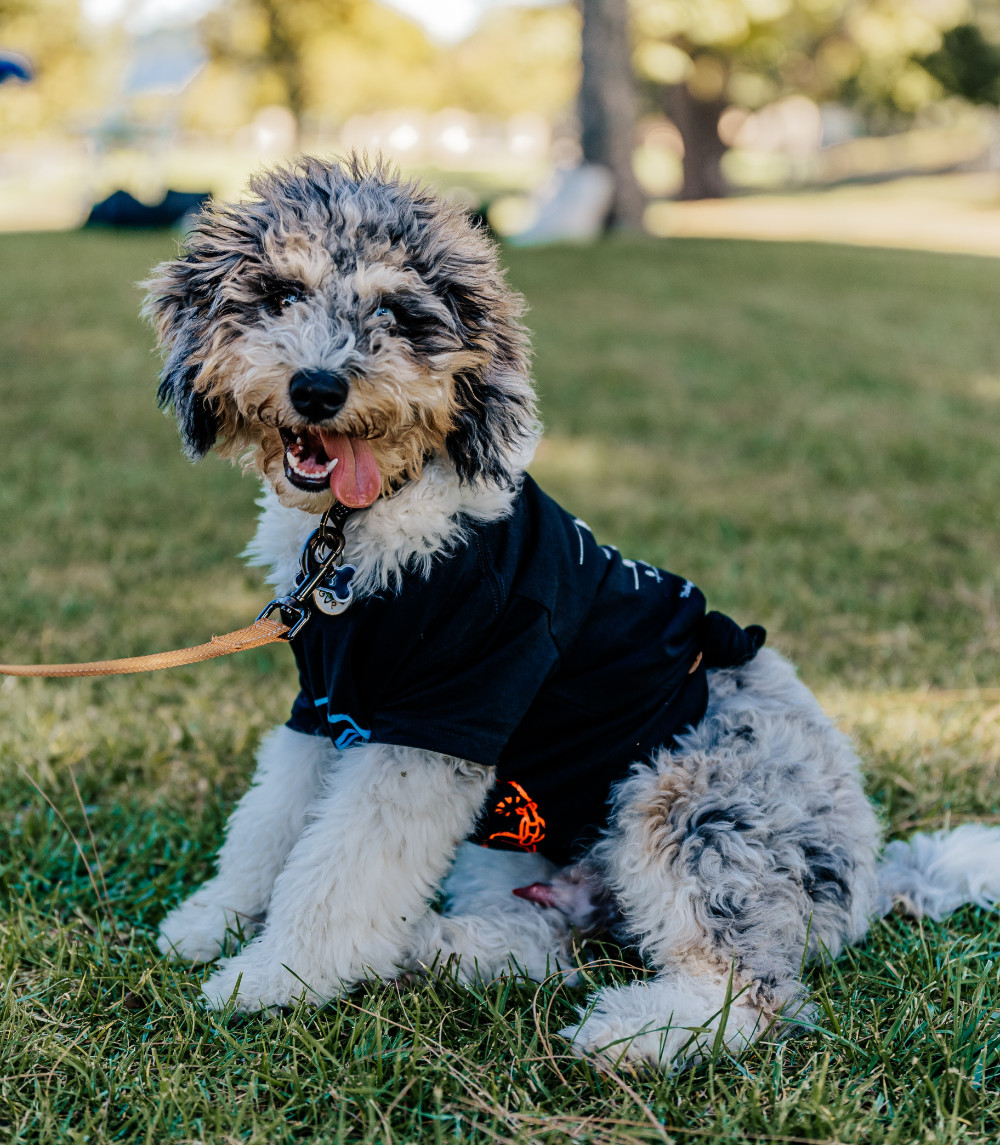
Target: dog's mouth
pixel 318 459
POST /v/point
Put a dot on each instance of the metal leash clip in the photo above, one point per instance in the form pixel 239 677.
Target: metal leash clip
pixel 321 580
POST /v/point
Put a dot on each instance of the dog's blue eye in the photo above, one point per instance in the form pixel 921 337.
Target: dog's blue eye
pixel 288 298
pixel 384 312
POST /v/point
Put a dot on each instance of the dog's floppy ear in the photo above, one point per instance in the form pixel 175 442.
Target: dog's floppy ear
pixel 177 304
pixel 495 417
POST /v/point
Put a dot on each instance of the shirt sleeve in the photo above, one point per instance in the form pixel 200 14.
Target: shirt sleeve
pixel 306 716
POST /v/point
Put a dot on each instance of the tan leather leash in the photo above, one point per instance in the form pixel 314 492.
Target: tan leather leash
pixel 262 631
pixel 322 584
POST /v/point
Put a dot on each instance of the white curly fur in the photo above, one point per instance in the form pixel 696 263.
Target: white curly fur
pixel 259 835
pixel 379 839
pixel 667 1020
pixel 935 874
pixel 485 931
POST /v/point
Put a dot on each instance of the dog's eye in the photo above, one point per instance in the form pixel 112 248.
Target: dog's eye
pixel 278 296
pixel 385 312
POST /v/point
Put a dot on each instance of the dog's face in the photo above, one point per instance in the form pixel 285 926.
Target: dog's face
pixel 339 329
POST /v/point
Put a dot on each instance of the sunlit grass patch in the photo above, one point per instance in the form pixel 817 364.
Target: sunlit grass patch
pixel 932 756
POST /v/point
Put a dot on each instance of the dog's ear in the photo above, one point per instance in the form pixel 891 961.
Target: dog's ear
pixel 494 420
pixel 495 416
pixel 177 303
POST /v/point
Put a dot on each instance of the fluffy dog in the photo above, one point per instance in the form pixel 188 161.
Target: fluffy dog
pixel 352 338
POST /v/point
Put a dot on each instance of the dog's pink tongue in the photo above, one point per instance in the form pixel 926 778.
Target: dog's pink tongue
pixel 355 479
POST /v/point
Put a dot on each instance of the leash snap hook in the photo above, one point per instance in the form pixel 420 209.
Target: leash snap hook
pixel 293 613
pixel 322 582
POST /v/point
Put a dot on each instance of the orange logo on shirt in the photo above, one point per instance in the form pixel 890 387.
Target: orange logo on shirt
pixel 530 825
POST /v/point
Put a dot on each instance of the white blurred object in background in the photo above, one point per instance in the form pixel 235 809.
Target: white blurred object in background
pixel 273 131
pixel 575 209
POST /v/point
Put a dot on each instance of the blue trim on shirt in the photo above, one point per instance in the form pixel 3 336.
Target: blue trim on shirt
pixel 350 735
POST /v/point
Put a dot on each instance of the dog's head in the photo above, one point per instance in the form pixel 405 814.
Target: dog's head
pixel 339 329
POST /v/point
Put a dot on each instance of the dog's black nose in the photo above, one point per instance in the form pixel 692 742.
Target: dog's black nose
pixel 317 394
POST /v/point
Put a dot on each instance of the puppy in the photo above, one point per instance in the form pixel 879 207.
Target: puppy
pixel 494 694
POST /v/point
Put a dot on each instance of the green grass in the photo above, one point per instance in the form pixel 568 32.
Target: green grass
pixel 809 433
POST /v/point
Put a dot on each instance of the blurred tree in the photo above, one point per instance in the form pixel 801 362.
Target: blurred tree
pixel 519 59
pixel 967 64
pixel 607 104
pixel 68 82
pixel 268 41
pixel 372 58
pixel 701 56
pixel 337 58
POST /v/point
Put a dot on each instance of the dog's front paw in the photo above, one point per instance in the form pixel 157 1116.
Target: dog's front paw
pixel 255 981
pixel 199 930
pixel 194 931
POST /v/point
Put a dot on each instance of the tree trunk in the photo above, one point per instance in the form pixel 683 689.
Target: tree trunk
pixel 607 104
pixel 698 122
pixel 283 52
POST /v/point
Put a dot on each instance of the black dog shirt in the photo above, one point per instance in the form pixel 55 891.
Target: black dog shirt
pixel 530 648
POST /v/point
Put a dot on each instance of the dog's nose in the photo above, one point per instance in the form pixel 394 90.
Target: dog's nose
pixel 317 394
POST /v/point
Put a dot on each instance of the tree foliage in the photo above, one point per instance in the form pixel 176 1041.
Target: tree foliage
pixel 887 58
pixel 967 64
pixel 307 54
pixel 755 51
pixel 330 59
pixel 518 60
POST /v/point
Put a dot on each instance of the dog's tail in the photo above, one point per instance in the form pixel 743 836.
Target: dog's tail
pixel 937 873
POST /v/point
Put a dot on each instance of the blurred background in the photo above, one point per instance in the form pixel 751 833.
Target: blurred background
pixel 858 120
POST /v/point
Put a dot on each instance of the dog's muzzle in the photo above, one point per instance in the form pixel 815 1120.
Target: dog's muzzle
pixel 317 394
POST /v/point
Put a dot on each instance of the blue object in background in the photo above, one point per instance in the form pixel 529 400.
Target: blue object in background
pixel 14 67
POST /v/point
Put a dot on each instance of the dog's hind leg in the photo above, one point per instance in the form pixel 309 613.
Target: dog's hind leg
pixel 260 833
pixel 485 930
pixel 733 859
pixel 356 884
pixel 673 1019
